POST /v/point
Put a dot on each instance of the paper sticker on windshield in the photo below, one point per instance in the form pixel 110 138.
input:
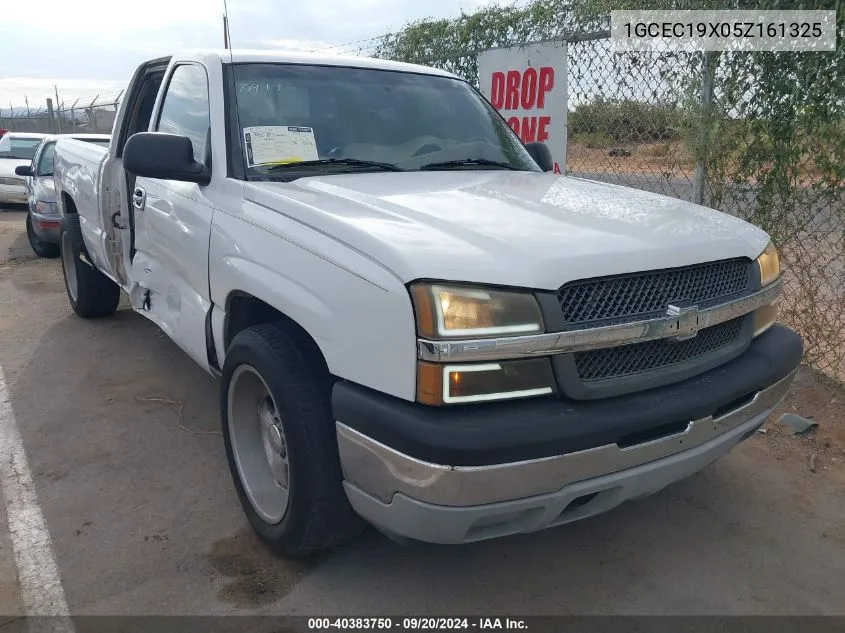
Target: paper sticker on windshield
pixel 279 145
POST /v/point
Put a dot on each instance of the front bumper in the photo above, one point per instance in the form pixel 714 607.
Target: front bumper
pixel 468 498
pixel 13 194
pixel 46 227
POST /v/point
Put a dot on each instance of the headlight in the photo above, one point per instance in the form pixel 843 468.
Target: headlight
pixel 769 264
pixel 483 382
pixel 445 311
pixel 47 208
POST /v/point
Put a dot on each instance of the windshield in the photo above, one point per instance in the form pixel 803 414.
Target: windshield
pixel 22 148
pixel 291 113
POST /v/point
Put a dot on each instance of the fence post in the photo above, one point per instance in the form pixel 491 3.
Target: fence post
pixel 91 116
pixel 51 117
pixel 708 75
pixel 73 115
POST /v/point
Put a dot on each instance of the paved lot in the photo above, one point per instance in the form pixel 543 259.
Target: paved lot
pixel 121 434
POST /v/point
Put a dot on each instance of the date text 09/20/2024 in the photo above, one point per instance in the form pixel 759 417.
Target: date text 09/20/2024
pixel 417 624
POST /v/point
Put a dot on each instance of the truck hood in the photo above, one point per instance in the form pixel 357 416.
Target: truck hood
pixel 521 229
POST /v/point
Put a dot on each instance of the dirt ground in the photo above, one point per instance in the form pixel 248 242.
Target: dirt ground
pixel 121 433
pixel 658 159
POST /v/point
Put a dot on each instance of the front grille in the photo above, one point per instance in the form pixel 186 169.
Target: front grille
pixel 626 360
pixel 631 297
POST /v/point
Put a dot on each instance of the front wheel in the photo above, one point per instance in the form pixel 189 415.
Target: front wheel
pixel 39 246
pixel 90 292
pixel 281 443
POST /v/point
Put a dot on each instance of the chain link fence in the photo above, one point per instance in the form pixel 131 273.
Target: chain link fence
pixel 89 116
pixel 745 133
pixel 697 127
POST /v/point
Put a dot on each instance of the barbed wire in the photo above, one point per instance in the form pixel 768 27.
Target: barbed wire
pixel 111 97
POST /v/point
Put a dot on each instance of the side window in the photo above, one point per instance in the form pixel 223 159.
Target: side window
pixel 185 107
pixel 45 161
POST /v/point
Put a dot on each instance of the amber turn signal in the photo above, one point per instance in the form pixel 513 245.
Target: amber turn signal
pixel 483 382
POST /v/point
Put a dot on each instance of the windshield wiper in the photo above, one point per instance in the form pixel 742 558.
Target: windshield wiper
pixel 467 161
pixel 351 162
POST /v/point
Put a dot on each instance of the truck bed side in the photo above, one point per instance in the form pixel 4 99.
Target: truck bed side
pixel 78 175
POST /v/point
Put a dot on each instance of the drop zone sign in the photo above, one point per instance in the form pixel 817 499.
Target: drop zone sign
pixel 527 85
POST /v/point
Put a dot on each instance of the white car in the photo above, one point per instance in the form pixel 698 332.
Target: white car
pixel 413 322
pixel 16 149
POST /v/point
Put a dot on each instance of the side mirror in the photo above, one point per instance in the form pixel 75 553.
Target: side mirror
pixel 24 170
pixel 542 155
pixel 163 156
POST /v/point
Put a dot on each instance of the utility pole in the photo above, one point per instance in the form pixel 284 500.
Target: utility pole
pixel 227 37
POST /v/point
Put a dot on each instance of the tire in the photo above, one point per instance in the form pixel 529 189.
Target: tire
pixel 39 247
pixel 279 360
pixel 90 292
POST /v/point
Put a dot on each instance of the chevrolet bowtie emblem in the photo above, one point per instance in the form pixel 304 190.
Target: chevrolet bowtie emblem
pixel 686 322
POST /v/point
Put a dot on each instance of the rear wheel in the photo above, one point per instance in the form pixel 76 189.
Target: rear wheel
pixel 281 443
pixel 90 292
pixel 39 247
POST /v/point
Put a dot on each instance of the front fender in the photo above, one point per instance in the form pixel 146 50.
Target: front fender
pixel 365 328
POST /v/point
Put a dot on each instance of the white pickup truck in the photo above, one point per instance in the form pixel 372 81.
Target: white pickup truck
pixel 413 322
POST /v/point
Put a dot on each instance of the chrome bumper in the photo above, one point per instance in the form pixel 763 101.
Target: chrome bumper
pixel 399 493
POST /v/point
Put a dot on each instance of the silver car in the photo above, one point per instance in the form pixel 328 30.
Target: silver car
pixel 42 221
pixel 16 149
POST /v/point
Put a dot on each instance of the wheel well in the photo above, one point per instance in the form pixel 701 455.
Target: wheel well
pixel 244 310
pixel 68 204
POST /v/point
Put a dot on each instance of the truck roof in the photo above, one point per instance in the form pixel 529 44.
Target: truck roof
pixel 80 136
pixel 290 57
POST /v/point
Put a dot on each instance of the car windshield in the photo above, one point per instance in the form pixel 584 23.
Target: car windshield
pixel 296 118
pixel 21 148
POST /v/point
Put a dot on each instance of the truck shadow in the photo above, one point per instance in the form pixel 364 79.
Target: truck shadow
pixel 122 434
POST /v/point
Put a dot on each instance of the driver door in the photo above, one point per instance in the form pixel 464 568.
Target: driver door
pixel 40 187
pixel 29 181
pixel 173 222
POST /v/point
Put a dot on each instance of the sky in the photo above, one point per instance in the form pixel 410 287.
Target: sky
pixel 86 48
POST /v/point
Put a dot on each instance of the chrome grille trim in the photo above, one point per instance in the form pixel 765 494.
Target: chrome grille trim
pixel 469 350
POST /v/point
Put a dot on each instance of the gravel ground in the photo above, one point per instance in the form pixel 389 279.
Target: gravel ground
pixel 121 434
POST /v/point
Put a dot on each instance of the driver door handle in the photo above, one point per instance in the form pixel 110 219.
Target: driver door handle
pixel 139 198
